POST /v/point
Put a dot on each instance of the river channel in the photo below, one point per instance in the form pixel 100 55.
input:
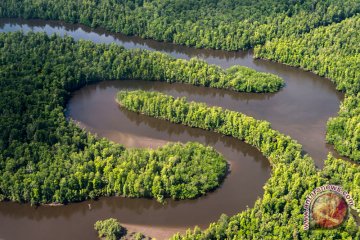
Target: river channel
pixel 300 110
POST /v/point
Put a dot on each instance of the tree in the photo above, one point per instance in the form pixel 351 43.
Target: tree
pixel 110 229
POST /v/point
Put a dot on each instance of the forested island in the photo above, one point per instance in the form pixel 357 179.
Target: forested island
pixel 45 158
pixel 111 229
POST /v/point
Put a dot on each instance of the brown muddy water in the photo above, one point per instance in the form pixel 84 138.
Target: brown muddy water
pixel 300 110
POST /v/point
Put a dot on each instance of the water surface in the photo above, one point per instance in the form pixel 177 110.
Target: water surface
pixel 300 110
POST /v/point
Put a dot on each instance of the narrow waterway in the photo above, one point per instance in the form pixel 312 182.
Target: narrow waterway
pixel 300 110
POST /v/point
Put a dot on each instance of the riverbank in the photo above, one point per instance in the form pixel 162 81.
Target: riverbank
pixel 298 110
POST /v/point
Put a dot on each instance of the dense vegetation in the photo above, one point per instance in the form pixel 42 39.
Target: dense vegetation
pixel 109 229
pixel 44 158
pixel 218 24
pixel 279 214
pixel 331 51
pixel 334 52
pixel 298 33
pixel 99 61
pixel 274 145
pixel 344 131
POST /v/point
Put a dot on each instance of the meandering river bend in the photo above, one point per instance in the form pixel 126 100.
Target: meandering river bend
pixel 300 110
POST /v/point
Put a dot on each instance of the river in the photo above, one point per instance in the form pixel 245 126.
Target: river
pixel 300 110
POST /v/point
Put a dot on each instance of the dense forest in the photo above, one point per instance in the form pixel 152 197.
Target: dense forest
pixel 45 158
pixel 321 36
pixel 279 214
pixel 218 24
pixel 334 52
pixel 38 147
pixel 274 145
pixel 109 229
